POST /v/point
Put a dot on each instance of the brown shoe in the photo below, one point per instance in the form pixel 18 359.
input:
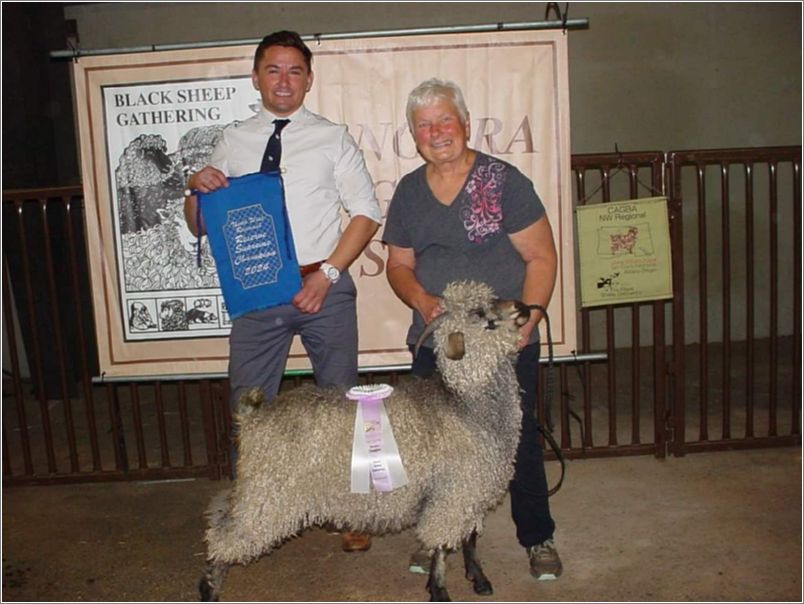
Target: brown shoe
pixel 545 563
pixel 355 542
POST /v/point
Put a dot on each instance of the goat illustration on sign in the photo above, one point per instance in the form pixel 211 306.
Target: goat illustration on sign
pixel 633 240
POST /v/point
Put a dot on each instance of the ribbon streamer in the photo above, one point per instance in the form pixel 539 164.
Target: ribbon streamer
pixel 375 455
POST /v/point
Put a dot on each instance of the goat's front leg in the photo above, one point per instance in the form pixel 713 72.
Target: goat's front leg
pixel 209 587
pixel 474 572
pixel 436 584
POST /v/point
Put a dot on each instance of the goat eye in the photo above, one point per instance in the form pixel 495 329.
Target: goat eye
pixel 491 324
pixel 477 313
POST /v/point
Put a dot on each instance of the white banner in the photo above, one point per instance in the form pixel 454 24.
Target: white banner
pixel 147 120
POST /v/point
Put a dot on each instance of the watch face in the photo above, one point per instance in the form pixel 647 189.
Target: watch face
pixel 332 273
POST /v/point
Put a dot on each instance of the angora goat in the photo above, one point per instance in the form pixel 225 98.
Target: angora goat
pixel 457 435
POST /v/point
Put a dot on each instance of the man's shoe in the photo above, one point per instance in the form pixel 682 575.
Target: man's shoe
pixel 420 562
pixel 545 564
pixel 355 542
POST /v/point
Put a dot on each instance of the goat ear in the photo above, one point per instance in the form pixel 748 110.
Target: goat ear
pixel 455 347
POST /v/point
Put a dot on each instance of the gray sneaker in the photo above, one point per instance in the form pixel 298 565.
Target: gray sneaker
pixel 420 562
pixel 545 564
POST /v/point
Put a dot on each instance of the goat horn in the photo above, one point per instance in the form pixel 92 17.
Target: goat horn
pixel 430 328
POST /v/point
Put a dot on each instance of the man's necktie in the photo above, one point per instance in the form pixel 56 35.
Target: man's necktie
pixel 273 150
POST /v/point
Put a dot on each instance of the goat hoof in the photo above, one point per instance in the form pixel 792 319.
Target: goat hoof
pixel 440 595
pixel 480 584
pixel 482 587
pixel 206 592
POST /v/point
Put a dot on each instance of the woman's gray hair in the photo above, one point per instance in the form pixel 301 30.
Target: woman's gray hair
pixel 434 90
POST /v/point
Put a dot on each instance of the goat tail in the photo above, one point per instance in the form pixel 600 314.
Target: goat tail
pixel 250 401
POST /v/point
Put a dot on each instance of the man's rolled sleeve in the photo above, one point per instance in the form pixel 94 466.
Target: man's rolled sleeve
pixel 219 154
pixel 354 182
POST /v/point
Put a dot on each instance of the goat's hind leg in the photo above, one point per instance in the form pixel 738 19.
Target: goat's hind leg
pixel 209 587
pixel 474 572
pixel 436 584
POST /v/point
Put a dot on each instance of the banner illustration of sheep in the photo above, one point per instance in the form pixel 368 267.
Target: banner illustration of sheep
pixel 157 135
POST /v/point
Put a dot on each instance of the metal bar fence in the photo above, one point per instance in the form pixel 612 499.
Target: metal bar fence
pixel 632 403
pixel 57 426
pixel 746 273
pixel 623 176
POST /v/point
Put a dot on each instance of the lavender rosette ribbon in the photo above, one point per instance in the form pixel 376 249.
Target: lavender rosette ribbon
pixel 375 455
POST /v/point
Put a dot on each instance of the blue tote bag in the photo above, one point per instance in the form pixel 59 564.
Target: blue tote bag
pixel 251 241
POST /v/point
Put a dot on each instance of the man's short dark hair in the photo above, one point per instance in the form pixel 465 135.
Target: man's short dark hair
pixel 286 38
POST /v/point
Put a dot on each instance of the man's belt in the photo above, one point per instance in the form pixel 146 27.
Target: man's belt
pixel 306 269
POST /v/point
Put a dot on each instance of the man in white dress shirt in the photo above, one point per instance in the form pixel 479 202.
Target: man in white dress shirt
pixel 323 171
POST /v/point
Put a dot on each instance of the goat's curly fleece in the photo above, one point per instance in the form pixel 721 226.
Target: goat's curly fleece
pixel 457 438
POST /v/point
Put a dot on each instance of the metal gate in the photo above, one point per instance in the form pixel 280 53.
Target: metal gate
pixel 741 386
pixel 660 389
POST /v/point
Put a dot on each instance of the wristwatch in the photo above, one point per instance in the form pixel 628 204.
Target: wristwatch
pixel 331 272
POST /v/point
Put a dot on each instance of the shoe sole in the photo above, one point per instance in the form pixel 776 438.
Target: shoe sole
pixel 355 542
pixel 351 549
pixel 546 577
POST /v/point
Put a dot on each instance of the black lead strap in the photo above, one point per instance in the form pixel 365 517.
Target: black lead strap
pixel 548 398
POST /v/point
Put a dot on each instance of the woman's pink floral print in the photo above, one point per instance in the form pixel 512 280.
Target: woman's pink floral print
pixel 482 206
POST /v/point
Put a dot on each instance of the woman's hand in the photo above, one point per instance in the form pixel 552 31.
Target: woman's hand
pixel 428 306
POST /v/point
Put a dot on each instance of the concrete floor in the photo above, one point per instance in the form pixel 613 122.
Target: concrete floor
pixel 706 527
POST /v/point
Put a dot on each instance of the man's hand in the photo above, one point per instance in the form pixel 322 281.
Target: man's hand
pixel 207 179
pixel 311 296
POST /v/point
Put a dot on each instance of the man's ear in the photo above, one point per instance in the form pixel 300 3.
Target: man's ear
pixel 309 81
pixel 254 80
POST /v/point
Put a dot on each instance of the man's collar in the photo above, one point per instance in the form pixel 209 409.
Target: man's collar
pixel 269 117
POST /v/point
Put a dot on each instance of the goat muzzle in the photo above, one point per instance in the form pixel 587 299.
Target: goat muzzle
pixel 514 311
